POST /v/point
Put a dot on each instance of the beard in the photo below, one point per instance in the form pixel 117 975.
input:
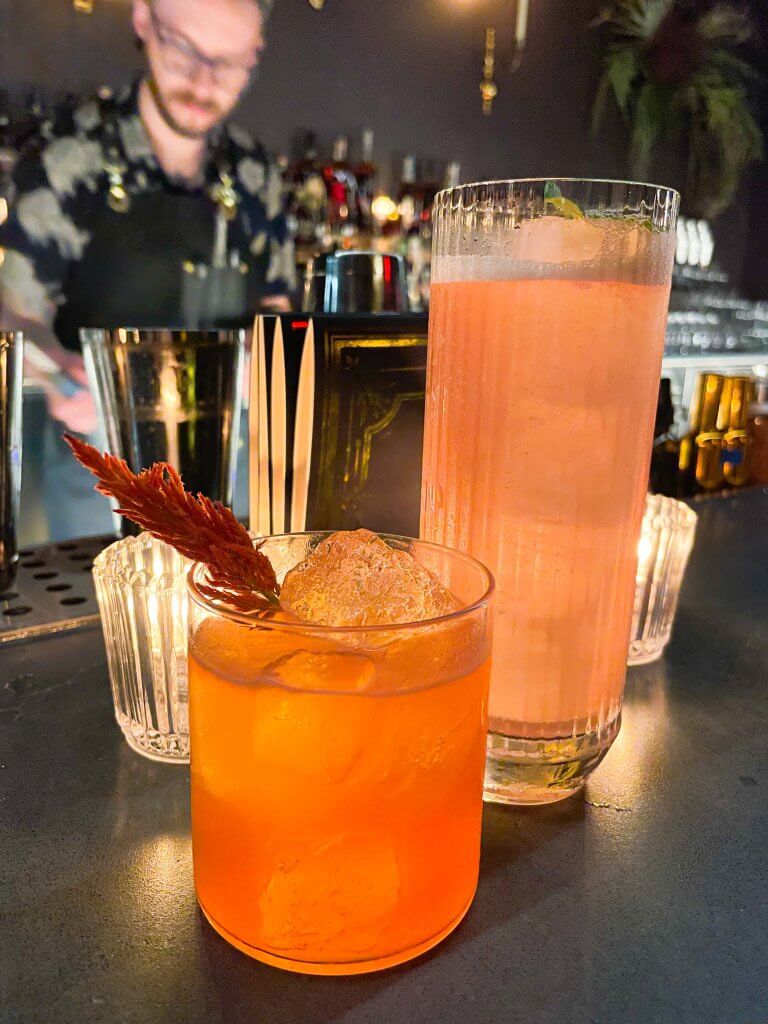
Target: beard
pixel 164 105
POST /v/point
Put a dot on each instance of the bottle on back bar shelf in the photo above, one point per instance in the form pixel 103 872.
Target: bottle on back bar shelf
pixel 365 175
pixel 431 182
pixel 341 186
pixel 452 175
pixel 758 433
pixel 308 207
pixel 700 450
pixel 736 439
pixel 665 455
pixel 7 152
pixel 409 197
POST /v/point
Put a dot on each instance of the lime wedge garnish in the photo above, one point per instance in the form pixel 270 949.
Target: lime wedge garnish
pixel 554 200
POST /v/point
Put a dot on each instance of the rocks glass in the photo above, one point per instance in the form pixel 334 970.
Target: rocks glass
pixel 141 587
pixel 666 540
pixel 337 773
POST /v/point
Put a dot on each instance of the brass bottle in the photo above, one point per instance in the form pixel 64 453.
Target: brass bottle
pixel 735 454
pixel 758 433
pixel 700 450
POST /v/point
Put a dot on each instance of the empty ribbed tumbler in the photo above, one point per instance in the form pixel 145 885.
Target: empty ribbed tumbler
pixel 141 589
pixel 666 540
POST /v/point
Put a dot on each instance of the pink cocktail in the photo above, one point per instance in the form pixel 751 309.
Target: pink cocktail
pixel 547 320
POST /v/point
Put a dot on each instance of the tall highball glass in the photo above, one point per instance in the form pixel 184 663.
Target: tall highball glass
pixel 548 310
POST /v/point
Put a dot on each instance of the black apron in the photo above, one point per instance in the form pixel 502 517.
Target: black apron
pixel 150 267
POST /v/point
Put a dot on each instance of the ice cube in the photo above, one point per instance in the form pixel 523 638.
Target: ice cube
pixel 334 671
pixel 354 579
pixel 558 240
pixel 342 891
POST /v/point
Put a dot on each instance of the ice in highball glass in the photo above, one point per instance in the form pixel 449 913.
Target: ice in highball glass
pixel 547 320
pixel 337 766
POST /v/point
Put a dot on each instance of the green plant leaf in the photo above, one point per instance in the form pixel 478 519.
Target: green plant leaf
pixel 710 109
pixel 622 70
pixel 600 104
pixel 639 19
pixel 647 124
pixel 734 68
pixel 724 23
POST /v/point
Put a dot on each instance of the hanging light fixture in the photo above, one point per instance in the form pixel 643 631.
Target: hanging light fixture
pixel 488 87
pixel 520 34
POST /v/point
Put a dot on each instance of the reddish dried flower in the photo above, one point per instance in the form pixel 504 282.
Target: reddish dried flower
pixel 203 530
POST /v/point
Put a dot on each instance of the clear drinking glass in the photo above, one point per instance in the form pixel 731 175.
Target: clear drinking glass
pixel 141 588
pixel 11 379
pixel 666 541
pixel 548 310
pixel 170 396
pixel 337 773
pixel 11 371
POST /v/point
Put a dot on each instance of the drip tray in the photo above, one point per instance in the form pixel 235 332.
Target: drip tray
pixel 53 591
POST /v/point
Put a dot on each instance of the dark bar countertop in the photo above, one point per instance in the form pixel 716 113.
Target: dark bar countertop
pixel 644 903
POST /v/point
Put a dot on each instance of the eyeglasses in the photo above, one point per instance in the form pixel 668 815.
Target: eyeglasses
pixel 183 58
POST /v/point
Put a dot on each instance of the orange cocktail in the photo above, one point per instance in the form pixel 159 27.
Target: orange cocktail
pixel 337 774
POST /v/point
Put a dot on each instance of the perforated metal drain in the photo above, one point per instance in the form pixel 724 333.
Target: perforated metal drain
pixel 53 591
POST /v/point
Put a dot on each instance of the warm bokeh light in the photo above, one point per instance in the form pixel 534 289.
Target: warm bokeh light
pixel 384 208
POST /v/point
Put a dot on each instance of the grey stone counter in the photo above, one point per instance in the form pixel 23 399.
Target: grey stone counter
pixel 645 902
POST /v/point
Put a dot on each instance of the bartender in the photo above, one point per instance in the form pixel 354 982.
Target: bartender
pixel 149 209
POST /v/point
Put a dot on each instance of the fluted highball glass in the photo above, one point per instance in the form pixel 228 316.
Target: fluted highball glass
pixel 548 310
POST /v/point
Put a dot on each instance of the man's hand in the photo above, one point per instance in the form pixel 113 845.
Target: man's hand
pixel 276 304
pixel 77 412
pixel 72 364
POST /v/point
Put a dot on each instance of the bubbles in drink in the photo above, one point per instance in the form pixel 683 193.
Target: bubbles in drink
pixel 592 249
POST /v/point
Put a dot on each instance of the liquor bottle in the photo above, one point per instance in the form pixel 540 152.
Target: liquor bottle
pixel 450 180
pixel 665 455
pixel 5 119
pixel 736 438
pixel 365 175
pixel 409 197
pixel 284 167
pixel 429 190
pixel 341 187
pixel 758 433
pixel 7 150
pixel 308 203
pixel 430 185
pixel 452 175
pixel 700 466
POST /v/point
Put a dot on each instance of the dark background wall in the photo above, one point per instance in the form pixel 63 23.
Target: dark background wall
pixel 409 69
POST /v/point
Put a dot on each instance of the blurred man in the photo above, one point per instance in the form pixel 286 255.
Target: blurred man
pixel 144 210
